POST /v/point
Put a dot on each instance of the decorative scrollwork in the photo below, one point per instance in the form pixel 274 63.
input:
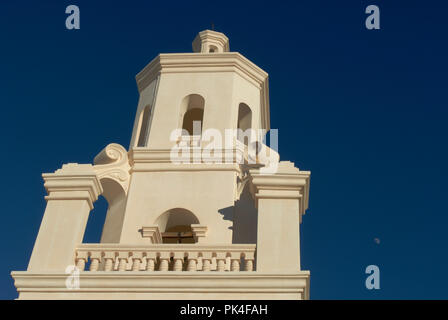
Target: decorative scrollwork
pixel 113 163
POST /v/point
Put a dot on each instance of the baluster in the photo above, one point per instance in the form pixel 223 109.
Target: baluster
pixel 150 261
pixel 81 264
pixel 221 264
pixel 94 264
pixel 192 261
pixel 164 265
pixel 192 264
pixel 220 261
pixel 122 260
pixel 136 260
pixel 108 265
pixel 95 258
pixel 206 261
pixel 207 264
pixel 178 261
pixel 235 265
pixel 136 265
pixel 81 259
pixel 164 261
pixel 109 258
pixel 235 258
pixel 249 261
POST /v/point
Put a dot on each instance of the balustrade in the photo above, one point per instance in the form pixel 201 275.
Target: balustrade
pixel 165 257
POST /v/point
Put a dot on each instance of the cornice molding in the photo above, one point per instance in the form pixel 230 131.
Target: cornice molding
pixel 73 182
pixel 196 154
pixel 151 160
pixel 288 183
pixel 199 231
pixel 153 233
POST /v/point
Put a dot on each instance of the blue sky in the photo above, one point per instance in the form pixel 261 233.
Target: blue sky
pixel 364 110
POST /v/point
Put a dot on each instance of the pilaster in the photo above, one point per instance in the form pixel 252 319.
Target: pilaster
pixel 281 199
pixel 72 191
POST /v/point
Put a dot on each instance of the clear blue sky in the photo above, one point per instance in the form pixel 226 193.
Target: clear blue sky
pixel 365 111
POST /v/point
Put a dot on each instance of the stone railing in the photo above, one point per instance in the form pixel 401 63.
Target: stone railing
pixel 165 257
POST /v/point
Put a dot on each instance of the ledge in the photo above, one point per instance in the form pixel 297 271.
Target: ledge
pixel 196 155
pixel 164 285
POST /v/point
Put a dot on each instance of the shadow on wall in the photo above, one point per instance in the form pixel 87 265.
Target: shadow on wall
pixel 228 214
pixel 244 216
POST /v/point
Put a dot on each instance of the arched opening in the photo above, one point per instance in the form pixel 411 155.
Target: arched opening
pixel 95 222
pixel 192 110
pixel 244 123
pixel 116 199
pixel 175 226
pixel 212 49
pixel 144 125
pixel 105 222
pixel 189 120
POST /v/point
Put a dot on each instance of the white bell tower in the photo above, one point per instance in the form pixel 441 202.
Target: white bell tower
pixel 185 220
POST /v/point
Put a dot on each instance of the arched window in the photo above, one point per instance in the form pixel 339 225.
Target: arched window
pixel 212 49
pixel 244 122
pixel 190 117
pixel 144 125
pixel 192 110
pixel 175 226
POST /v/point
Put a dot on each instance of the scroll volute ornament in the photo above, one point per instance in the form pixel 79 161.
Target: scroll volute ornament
pixel 113 163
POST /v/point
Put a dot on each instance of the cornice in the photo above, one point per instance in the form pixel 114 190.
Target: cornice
pixel 153 233
pixel 159 160
pixel 288 183
pixel 73 182
pixel 199 231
